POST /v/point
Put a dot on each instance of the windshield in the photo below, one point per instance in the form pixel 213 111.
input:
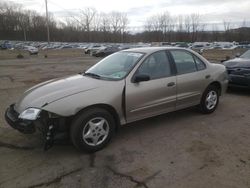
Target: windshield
pixel 115 66
pixel 246 55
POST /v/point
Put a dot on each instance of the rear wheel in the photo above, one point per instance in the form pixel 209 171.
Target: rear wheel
pixel 91 130
pixel 209 100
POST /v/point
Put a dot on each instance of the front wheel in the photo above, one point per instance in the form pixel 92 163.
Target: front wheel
pixel 209 100
pixel 91 130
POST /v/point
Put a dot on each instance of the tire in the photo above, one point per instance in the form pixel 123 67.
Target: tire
pixel 92 130
pixel 209 100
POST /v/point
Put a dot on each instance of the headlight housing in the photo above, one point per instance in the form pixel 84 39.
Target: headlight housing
pixel 30 114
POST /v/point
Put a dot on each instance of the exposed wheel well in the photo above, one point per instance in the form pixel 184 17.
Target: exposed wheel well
pixel 107 107
pixel 217 85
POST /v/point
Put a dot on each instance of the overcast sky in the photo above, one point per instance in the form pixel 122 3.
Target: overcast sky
pixel 212 11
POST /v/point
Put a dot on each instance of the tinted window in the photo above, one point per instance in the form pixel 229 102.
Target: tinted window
pixel 156 66
pixel 199 63
pixel 184 62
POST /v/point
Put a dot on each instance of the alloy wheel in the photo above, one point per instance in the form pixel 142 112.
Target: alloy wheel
pixel 95 131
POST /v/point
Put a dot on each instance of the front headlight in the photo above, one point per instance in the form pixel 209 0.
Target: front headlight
pixel 30 114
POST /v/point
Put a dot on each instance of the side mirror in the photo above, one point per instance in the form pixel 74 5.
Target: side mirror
pixel 237 55
pixel 141 78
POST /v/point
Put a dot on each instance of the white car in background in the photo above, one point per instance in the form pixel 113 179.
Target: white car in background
pixel 32 50
pixel 92 48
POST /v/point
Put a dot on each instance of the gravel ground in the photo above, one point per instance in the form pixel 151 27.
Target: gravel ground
pixel 179 149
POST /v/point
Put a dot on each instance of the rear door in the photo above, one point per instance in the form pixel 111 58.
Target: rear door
pixel 191 78
pixel 153 97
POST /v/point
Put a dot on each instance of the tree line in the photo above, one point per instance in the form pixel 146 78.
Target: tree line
pixel 90 25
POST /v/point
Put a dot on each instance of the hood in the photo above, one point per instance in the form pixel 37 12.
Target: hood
pixel 237 62
pixel 53 90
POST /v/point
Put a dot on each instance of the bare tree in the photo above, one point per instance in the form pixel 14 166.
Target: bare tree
pixel 187 25
pixel 180 28
pixel 195 23
pixel 227 27
pixel 88 15
pixel 124 24
pixel 96 25
pixel 118 22
pixel 165 21
pixel 105 22
pixel 24 22
pixel 115 20
pixel 148 26
pixel 215 33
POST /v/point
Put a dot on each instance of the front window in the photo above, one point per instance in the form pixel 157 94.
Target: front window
pixel 156 66
pixel 115 66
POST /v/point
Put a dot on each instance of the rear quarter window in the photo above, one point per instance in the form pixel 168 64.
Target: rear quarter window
pixel 199 63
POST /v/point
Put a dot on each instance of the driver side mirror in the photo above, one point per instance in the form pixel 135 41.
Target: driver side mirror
pixel 141 78
pixel 237 55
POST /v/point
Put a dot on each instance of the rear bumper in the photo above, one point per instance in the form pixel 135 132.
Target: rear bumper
pixel 24 126
pixel 239 81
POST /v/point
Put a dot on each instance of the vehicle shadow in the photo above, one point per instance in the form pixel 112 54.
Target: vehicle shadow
pixel 167 120
pixel 238 91
pixel 156 123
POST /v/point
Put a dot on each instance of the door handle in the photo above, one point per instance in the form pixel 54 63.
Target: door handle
pixel 170 84
pixel 207 76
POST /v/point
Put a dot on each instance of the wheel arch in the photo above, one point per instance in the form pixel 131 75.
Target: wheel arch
pixel 107 107
pixel 217 84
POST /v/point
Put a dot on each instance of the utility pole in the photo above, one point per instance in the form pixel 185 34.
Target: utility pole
pixel 47 20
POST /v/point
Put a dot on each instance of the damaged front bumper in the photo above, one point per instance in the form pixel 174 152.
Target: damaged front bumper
pixel 47 128
pixel 24 126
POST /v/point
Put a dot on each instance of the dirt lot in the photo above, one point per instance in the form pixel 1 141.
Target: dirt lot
pixel 180 149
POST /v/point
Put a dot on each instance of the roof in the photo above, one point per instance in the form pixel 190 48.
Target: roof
pixel 151 49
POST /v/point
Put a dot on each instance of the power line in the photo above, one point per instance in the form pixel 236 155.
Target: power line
pixel 70 14
pixel 47 20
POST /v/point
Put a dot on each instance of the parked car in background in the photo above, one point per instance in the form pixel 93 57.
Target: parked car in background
pixel 125 46
pixel 92 48
pixel 6 45
pixel 32 50
pixel 244 44
pixel 239 71
pixel 216 47
pixel 66 46
pixel 200 45
pixel 105 51
pixel 124 87
pixel 182 45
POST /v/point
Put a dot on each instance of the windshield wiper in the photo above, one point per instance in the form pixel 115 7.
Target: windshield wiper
pixel 92 75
